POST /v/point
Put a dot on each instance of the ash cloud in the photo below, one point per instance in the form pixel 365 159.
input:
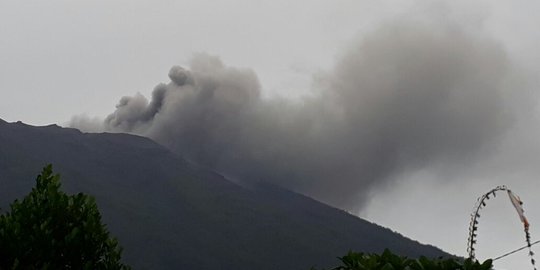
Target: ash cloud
pixel 405 97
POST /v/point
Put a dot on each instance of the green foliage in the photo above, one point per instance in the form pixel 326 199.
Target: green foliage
pixel 389 261
pixel 49 229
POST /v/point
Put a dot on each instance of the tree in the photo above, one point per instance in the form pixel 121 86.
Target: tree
pixel 389 261
pixel 49 229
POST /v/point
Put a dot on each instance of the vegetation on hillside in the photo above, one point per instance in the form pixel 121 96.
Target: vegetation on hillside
pixel 49 229
pixel 389 261
pixel 172 214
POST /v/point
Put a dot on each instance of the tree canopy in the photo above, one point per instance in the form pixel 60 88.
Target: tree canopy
pixel 389 261
pixel 49 229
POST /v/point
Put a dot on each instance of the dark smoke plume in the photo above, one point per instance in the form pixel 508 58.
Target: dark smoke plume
pixel 405 97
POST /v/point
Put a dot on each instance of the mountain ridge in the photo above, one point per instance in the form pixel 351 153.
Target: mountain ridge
pixel 171 214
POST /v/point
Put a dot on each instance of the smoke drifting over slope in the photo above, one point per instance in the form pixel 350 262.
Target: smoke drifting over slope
pixel 405 97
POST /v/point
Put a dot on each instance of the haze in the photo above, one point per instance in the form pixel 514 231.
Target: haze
pixel 414 162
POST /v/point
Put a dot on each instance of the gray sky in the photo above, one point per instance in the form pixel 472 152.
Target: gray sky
pixel 63 58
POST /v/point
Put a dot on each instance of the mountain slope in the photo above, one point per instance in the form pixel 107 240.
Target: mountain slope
pixel 170 214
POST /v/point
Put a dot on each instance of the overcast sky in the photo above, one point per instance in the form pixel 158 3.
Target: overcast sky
pixel 64 58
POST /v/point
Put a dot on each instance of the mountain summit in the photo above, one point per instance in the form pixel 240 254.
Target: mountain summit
pixel 171 214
